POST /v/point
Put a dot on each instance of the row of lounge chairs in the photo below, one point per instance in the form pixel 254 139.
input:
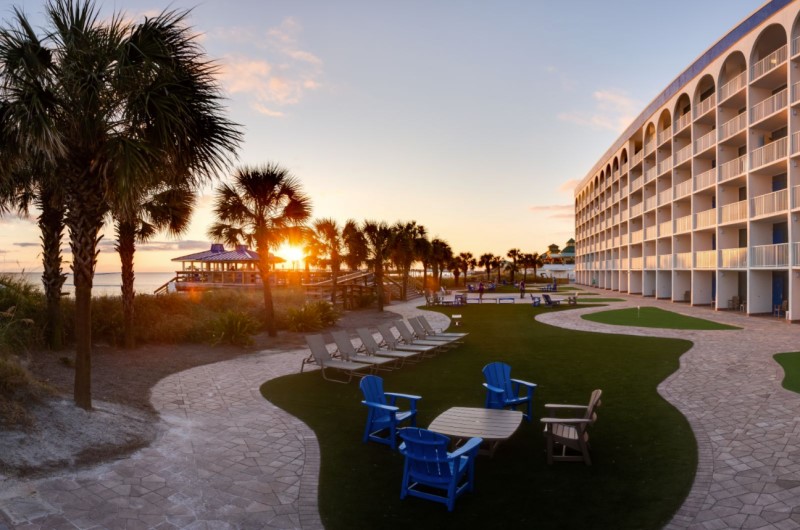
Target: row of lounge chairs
pixel 391 351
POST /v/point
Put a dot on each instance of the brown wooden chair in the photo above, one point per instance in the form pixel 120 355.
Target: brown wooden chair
pixel 568 438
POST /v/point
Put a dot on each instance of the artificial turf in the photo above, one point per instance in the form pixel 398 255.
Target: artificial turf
pixel 644 454
pixel 653 317
pixel 790 362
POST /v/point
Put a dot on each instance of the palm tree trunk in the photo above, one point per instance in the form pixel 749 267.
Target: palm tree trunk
pixel 269 307
pixel 404 286
pixel 51 225
pixel 379 286
pixel 334 280
pixel 126 248
pixel 85 220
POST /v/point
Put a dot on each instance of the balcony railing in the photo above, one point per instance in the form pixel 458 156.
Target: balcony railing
pixel 770 255
pixel 733 212
pixel 637 183
pixel 795 92
pixel 650 262
pixel 649 147
pixel 704 142
pixel 768 153
pixel 795 254
pixel 795 142
pixel 683 224
pixel 769 106
pixel 683 189
pixel 733 258
pixel 683 121
pixel 704 106
pixel 770 203
pixel 636 237
pixel 623 239
pixel 733 86
pixel 705 259
pixel 733 168
pixel 665 229
pixel 665 165
pixel 683 260
pixel 665 262
pixel 650 203
pixel 650 174
pixel 664 135
pixel 624 167
pixel 705 179
pixel 795 46
pixel 636 263
pixel 637 209
pixel 637 158
pixel 796 197
pixel 768 63
pixel 685 153
pixel 733 126
pixel 706 218
pixel 665 197
pixel 651 232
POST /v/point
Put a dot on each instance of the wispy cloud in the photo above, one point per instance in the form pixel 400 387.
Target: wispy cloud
pixel 153 246
pixel 26 245
pixel 568 187
pixel 613 110
pixel 555 211
pixel 280 77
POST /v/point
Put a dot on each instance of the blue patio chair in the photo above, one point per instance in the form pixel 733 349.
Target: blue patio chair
pixel 429 466
pixel 502 391
pixel 382 414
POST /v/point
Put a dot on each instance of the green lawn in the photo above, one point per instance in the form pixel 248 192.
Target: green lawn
pixel 790 361
pixel 598 300
pixel 643 450
pixel 652 317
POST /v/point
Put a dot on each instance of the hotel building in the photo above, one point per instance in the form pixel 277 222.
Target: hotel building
pixel 699 200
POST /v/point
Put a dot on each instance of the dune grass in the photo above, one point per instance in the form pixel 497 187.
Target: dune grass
pixel 653 317
pixel 790 362
pixel 643 449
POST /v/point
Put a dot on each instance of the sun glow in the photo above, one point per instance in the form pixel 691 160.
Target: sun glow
pixel 291 253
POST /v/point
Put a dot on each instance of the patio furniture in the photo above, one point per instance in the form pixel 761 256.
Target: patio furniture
pixel 492 426
pixel 349 353
pixel 383 415
pixel 429 467
pixel 502 391
pixel 570 433
pixel 421 332
pixel 407 336
pixel 322 358
pixel 393 343
pixel 536 301
pixel 550 302
pixel 430 330
pixel 780 309
pixel 370 345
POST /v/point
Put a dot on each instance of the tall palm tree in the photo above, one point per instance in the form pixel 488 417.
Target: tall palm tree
pixel 404 250
pixel 467 263
pixel 497 264
pixel 441 254
pixel 263 207
pixel 355 243
pixel 330 248
pixel 115 106
pixel 486 261
pixel 514 254
pixel 454 265
pixel 167 210
pixel 422 249
pixel 380 239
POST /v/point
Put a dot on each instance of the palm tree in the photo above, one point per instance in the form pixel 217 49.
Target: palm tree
pixel 467 263
pixel 115 106
pixel 355 243
pixel 486 261
pixel 497 264
pixel 533 260
pixel 404 251
pixel 379 239
pixel 169 209
pixel 454 265
pixel 329 245
pixel 423 249
pixel 441 254
pixel 514 254
pixel 263 207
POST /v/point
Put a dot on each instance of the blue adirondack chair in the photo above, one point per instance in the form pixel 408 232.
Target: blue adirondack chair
pixel 383 415
pixel 429 466
pixel 502 391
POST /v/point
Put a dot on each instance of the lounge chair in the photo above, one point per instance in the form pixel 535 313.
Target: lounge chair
pixel 407 336
pixel 502 391
pixel 322 358
pixel 441 333
pixel 421 333
pixel 550 302
pixel 570 433
pixel 393 343
pixel 370 346
pixel 349 353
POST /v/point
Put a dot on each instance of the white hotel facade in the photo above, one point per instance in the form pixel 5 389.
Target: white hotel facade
pixel 699 200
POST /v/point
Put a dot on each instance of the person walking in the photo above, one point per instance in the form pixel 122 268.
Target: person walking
pixel 521 289
pixel 480 291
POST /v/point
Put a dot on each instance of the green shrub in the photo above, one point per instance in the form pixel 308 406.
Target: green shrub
pixel 18 388
pixel 328 315
pixel 306 318
pixel 233 327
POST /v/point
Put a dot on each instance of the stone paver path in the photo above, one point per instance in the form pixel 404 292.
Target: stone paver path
pixel 747 426
pixel 227 458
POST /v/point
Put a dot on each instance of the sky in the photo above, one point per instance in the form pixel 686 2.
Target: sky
pixel 476 119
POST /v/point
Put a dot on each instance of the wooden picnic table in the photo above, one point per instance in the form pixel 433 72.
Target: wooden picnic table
pixel 493 425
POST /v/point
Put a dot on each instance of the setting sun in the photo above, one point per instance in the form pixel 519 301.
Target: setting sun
pixel 290 253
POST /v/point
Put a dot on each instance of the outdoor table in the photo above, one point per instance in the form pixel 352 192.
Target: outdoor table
pixel 493 425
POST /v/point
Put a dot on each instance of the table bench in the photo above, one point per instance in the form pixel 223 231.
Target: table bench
pixel 463 423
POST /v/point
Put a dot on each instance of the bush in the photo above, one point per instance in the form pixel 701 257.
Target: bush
pixel 17 389
pixel 304 318
pixel 328 315
pixel 21 307
pixel 233 327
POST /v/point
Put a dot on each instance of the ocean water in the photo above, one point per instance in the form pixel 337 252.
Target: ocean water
pixel 109 283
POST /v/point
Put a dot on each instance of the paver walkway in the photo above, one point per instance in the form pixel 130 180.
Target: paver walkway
pixel 747 426
pixel 229 459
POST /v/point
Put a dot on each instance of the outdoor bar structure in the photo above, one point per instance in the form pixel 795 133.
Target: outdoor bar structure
pixel 699 200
